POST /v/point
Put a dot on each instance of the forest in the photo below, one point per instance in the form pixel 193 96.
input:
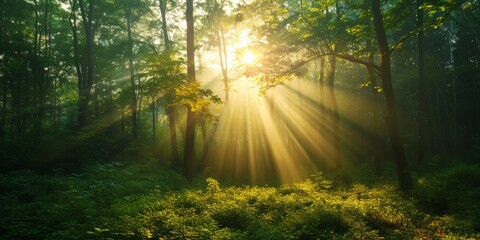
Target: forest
pixel 239 119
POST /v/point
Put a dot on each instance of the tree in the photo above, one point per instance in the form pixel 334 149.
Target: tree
pixel 335 138
pixel 422 117
pixel 216 20
pixel 187 170
pixel 404 178
pixel 170 108
pixel 86 92
pixel 131 70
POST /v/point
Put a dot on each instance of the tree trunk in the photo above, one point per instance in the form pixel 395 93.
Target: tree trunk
pixel 202 119
pixel 173 136
pixel 333 110
pixel 170 109
pixel 36 68
pixel 377 160
pixel 163 10
pixel 187 171
pixel 48 54
pixel 204 140
pixel 403 174
pixel 55 104
pixel 44 72
pixel 132 74
pixel 139 103
pixel 154 122
pixel 76 54
pixel 422 116
pixel 3 120
pixel 226 81
pixel 87 16
pixel 321 78
pixel 223 61
pixel 4 108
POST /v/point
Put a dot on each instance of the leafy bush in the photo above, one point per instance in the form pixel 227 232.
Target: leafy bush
pixel 316 223
pixel 232 216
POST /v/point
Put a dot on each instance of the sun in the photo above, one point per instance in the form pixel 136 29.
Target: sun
pixel 248 57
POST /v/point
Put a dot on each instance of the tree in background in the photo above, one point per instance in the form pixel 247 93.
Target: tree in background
pixel 187 169
pixel 170 108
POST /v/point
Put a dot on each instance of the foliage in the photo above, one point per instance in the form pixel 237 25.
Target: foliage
pixel 166 79
pixel 454 191
pixel 139 201
pixel 164 75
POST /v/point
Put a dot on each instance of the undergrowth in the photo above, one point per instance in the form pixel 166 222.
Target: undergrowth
pixel 138 201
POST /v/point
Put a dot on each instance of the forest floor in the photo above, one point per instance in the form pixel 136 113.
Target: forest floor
pixel 140 201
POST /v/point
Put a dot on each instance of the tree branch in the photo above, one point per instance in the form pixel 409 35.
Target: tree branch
pixel 416 31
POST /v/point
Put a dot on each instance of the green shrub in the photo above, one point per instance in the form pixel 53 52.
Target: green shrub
pixel 442 191
pixel 316 223
pixel 232 216
pixel 453 191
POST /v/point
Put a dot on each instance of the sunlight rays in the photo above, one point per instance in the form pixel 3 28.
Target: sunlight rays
pixel 283 136
pixel 252 146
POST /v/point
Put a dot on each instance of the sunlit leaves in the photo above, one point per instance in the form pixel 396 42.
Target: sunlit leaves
pixel 166 79
pixel 164 75
pixel 195 97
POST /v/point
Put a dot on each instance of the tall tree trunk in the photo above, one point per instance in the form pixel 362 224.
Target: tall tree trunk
pixel 321 78
pixel 49 81
pixel 403 173
pixel 377 160
pixel 76 54
pixel 154 122
pixel 226 81
pixel 2 79
pixel 222 54
pixel 87 16
pixel 36 68
pixel 132 74
pixel 139 102
pixel 204 139
pixel 173 136
pixel 320 127
pixel 422 116
pixel 222 50
pixel 187 170
pixel 13 115
pixel 376 144
pixel 333 110
pixel 3 123
pixel 55 104
pixel 163 12
pixel 171 110
pixel 202 119
pixel 45 70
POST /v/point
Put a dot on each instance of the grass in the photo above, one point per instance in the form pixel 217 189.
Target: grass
pixel 140 201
